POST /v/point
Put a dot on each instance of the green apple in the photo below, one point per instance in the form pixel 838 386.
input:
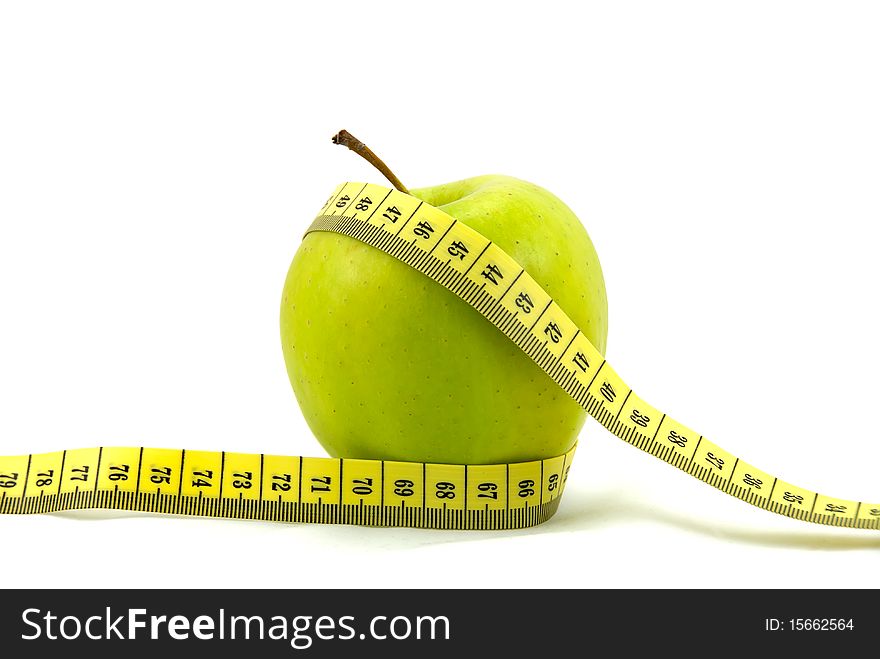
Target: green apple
pixel 387 364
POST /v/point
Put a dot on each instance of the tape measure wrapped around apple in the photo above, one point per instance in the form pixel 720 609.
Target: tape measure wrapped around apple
pixel 388 366
pixel 433 416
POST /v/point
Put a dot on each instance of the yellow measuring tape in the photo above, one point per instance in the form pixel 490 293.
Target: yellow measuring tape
pixel 330 490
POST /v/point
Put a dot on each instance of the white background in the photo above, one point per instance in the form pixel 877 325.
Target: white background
pixel 159 162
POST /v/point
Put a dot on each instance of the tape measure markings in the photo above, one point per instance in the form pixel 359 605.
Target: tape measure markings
pixel 282 488
pixel 222 484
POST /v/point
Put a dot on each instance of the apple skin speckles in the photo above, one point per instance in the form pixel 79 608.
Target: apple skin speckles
pixel 387 364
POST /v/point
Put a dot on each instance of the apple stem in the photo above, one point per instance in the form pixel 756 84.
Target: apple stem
pixel 345 138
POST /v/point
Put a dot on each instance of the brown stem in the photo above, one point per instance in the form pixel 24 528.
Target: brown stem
pixel 345 138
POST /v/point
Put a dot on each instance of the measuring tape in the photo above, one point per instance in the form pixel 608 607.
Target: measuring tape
pixel 387 493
